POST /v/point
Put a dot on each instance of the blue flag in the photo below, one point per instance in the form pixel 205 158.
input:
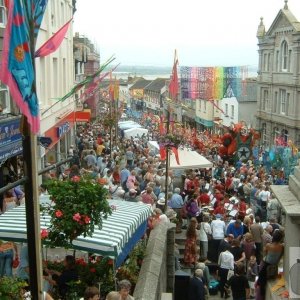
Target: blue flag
pixel 17 69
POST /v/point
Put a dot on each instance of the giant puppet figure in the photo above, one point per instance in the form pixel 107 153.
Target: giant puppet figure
pixel 238 142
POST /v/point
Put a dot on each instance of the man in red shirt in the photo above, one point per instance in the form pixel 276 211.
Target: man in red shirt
pixel 203 199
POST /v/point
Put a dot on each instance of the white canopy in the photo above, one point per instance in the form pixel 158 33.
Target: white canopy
pixel 135 132
pixel 129 125
pixel 189 159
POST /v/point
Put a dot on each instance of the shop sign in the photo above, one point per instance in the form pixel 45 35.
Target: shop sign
pixel 62 129
pixel 10 132
pixel 10 139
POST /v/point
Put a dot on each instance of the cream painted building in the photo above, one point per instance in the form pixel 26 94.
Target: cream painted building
pixel 54 79
pixel 206 113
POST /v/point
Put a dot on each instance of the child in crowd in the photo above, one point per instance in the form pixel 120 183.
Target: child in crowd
pixel 252 272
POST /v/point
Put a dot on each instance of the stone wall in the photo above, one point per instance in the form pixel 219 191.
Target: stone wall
pixel 158 269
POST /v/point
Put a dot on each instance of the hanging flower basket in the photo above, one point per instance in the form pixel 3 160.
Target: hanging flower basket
pixel 170 140
pixel 79 206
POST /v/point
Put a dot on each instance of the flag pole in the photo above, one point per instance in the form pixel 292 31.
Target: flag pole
pixel 31 193
pixel 167 163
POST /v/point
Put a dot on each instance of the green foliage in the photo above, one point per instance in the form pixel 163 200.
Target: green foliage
pixel 79 206
pixel 11 288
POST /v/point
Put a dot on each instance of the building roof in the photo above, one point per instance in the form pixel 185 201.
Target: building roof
pixel 140 84
pixel 283 19
pixel 156 85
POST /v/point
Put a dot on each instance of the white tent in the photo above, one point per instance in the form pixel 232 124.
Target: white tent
pixel 129 125
pixel 189 159
pixel 135 132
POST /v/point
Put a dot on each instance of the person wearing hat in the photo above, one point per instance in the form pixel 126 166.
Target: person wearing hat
pixel 161 203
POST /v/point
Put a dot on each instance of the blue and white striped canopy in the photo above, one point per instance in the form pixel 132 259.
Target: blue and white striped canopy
pixel 119 233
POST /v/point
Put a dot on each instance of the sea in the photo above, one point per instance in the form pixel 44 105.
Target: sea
pixel 151 73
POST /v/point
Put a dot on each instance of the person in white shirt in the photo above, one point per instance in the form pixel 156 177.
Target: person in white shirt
pixel 218 228
pixel 226 263
pixel 205 234
pixel 264 196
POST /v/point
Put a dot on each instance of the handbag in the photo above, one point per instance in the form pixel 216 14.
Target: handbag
pixel 15 262
pixel 230 274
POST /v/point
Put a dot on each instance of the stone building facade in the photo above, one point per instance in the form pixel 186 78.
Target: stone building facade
pixel 278 81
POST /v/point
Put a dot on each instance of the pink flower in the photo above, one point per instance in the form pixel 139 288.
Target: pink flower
pixel 44 233
pixel 77 217
pixel 87 219
pixel 58 213
pixel 75 179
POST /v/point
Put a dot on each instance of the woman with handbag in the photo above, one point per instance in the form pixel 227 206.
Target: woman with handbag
pixel 205 235
pixel 8 251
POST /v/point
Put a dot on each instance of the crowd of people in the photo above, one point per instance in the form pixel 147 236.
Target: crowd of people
pixel 230 215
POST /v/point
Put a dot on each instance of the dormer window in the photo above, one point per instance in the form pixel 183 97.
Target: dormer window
pixel 284 56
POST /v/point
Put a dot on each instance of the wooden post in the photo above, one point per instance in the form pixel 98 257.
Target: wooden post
pixel 32 211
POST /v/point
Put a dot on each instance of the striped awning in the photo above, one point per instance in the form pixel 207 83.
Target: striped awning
pixel 119 233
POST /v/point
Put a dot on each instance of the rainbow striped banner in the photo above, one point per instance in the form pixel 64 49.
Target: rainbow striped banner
pixel 212 83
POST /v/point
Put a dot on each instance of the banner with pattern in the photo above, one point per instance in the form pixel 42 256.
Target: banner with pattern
pixel 212 83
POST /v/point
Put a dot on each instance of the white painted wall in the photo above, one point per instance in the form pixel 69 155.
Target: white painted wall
pixel 55 72
pixel 230 107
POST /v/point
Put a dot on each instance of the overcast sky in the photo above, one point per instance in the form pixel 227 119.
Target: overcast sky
pixel 204 32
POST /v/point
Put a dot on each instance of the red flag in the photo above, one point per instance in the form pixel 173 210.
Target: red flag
pixel 54 42
pixel 175 151
pixel 163 153
pixel 173 86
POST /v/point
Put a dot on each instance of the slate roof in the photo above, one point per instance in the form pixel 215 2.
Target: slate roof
pixel 156 85
pixel 140 84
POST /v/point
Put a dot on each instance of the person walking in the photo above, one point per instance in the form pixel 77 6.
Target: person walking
pixel 239 284
pixel 196 290
pixel 190 250
pixel 218 233
pixel 205 235
pixel 257 233
pixel 226 263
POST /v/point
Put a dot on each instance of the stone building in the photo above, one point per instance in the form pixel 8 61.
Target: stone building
pixel 278 81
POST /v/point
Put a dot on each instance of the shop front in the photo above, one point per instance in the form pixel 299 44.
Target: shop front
pixel 10 149
pixel 63 136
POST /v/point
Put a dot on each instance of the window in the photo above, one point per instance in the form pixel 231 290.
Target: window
pixel 282 95
pixel 53 13
pixel 277 61
pixel 276 133
pixel 284 56
pixel 264 134
pixel 275 104
pixel 4 99
pixel 265 101
pixel 205 105
pixel 2 14
pixel 265 62
pixel 226 110
pixel 232 111
pixel 285 135
pixel 200 105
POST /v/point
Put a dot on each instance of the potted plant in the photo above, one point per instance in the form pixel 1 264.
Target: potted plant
pixel 12 288
pixel 78 207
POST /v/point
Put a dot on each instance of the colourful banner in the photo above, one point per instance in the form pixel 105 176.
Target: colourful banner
pixel 17 69
pixel 212 83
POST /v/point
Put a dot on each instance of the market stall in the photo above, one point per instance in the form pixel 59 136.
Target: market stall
pixel 189 159
pixel 135 132
pixel 119 234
